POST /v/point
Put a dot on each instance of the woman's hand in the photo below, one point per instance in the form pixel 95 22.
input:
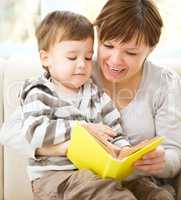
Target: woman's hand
pixel 152 163
pixel 105 132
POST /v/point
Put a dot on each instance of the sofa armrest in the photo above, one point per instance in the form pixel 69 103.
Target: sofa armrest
pixel 2 63
pixel 1 173
pixel 17 70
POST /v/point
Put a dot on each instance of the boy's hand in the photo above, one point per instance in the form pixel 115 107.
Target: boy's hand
pixel 64 147
pixel 105 132
pixel 61 148
pixel 124 151
pixel 53 149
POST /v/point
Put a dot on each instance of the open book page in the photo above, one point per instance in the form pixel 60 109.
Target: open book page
pixel 115 151
pixel 126 152
pixel 108 146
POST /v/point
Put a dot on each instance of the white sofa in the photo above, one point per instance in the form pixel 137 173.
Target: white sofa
pixel 1 121
pixel 14 184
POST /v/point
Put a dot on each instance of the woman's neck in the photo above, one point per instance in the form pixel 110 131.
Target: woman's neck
pixel 123 92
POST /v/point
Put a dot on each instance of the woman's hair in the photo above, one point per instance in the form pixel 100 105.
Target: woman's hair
pixel 121 20
pixel 59 26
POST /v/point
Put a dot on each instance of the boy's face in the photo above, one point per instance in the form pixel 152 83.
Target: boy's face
pixel 70 63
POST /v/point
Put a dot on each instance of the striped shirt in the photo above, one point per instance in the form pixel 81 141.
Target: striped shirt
pixel 48 118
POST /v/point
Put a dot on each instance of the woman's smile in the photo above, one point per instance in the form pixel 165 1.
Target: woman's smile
pixel 116 71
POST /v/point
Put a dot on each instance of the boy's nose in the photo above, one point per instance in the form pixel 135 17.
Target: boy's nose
pixel 80 63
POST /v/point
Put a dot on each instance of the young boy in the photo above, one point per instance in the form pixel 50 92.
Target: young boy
pixel 52 103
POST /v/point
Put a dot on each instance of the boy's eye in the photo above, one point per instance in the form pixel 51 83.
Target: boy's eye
pixel 88 58
pixel 72 58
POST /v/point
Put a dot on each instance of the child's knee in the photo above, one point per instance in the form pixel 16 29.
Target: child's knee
pixel 84 175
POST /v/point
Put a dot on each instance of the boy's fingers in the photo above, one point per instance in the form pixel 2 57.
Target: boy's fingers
pixel 107 137
pixel 102 130
pixel 107 130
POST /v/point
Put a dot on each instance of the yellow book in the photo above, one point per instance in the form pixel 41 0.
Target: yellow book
pixel 85 152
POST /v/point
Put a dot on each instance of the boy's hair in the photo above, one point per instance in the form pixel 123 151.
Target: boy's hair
pixel 121 20
pixel 59 26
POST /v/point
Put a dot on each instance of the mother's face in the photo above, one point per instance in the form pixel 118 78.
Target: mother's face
pixel 121 61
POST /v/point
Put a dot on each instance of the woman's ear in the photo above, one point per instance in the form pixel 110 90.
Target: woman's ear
pixel 152 48
pixel 44 58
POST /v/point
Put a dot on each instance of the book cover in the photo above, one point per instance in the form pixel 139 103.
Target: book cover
pixel 86 152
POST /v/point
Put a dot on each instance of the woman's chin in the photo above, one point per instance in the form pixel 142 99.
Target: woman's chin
pixel 113 75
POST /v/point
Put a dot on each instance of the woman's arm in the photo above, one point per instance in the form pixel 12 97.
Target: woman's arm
pixel 165 161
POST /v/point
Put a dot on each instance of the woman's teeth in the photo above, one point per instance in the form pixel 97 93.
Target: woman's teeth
pixel 117 70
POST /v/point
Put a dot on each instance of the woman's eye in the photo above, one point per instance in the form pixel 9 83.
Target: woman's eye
pixel 72 58
pixel 131 53
pixel 109 46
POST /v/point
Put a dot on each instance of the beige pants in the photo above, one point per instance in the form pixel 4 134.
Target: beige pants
pixel 146 188
pixel 78 185
pixel 84 185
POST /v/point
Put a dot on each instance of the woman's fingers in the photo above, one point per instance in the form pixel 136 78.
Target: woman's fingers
pixel 153 162
pixel 151 169
pixel 150 161
pixel 158 152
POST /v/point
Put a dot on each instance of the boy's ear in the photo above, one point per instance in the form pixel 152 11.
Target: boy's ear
pixel 44 58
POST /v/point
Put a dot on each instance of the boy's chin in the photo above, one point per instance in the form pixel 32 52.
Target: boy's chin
pixel 76 86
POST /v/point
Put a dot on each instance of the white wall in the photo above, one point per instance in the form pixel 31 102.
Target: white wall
pixel 49 5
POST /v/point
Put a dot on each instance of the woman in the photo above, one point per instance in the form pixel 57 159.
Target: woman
pixel 147 96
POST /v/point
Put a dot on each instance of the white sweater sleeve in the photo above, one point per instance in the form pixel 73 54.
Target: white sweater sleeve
pixel 167 108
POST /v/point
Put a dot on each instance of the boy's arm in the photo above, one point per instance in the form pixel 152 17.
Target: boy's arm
pixel 53 149
pixel 40 126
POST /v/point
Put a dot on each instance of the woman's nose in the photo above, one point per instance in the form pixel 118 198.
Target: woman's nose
pixel 116 58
